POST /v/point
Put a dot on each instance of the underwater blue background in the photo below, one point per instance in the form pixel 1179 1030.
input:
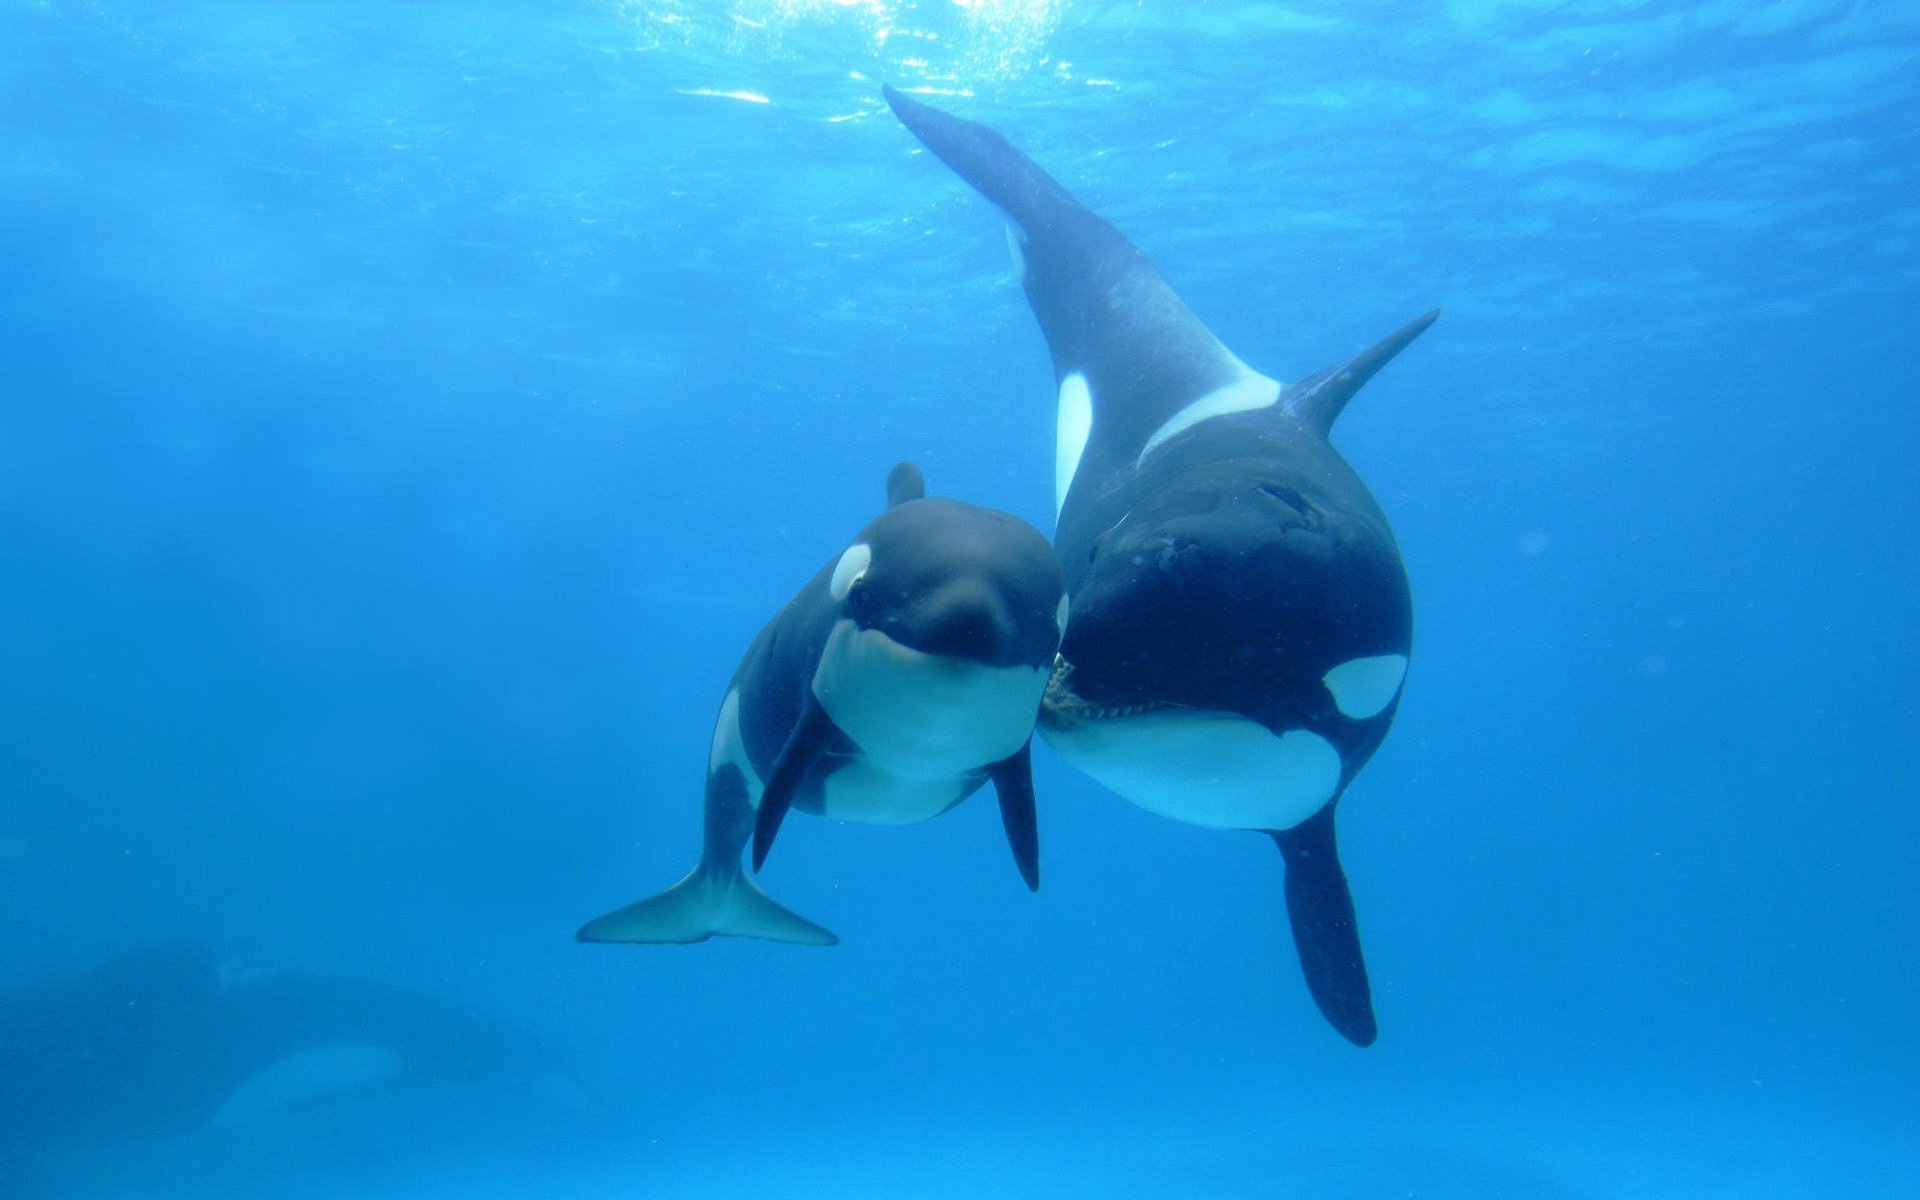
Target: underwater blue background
pixel 409 412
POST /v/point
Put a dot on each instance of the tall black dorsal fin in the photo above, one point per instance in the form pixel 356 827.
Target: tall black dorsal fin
pixel 1319 399
pixel 905 483
pixel 1106 313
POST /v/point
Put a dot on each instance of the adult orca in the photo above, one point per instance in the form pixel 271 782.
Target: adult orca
pixel 904 675
pixel 164 1040
pixel 1240 618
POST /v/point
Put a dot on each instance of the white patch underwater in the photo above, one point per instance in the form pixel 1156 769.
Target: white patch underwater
pixel 1074 425
pixel 728 747
pixel 847 572
pixel 1364 687
pixel 863 790
pixel 1211 769
pixel 1252 391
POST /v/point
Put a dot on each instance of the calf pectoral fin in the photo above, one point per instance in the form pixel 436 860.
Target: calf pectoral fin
pixel 808 741
pixel 1013 783
pixel 1320 908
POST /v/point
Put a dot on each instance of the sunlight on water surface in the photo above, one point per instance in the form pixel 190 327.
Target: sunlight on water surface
pixel 942 44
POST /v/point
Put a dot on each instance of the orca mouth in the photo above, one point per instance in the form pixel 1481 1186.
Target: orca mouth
pixel 1062 706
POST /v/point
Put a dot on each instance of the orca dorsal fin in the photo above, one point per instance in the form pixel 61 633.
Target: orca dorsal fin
pixel 1318 400
pixel 905 483
pixel 1129 356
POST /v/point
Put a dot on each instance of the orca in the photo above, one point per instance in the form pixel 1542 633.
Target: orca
pixel 1240 620
pixel 165 1041
pixel 904 675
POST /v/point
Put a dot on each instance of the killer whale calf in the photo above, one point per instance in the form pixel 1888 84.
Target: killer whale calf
pixel 903 676
pixel 1240 620
pixel 165 1041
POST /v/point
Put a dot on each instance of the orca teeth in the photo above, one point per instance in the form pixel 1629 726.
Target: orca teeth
pixel 1066 707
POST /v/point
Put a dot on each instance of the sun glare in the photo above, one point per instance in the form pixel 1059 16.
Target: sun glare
pixel 944 45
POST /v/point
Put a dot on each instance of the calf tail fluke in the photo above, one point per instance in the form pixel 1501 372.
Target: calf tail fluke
pixel 706 904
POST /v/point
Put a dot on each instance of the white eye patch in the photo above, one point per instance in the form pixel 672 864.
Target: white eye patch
pixel 852 565
pixel 1060 615
pixel 1364 687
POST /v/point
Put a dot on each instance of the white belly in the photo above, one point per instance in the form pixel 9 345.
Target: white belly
pixel 1205 768
pixel 862 790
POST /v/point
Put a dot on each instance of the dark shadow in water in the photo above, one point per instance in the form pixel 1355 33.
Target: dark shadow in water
pixel 161 1073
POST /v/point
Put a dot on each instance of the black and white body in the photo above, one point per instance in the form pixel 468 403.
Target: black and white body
pixel 904 675
pixel 1240 619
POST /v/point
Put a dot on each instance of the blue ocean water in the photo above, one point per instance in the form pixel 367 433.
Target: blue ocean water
pixel 409 412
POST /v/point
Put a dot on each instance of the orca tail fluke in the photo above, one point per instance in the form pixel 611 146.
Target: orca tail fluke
pixel 1320 909
pixel 706 904
pixel 1320 399
pixel 995 167
pixel 1079 273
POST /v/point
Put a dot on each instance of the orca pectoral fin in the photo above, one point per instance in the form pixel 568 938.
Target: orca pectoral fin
pixel 808 741
pixel 1013 783
pixel 1320 908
